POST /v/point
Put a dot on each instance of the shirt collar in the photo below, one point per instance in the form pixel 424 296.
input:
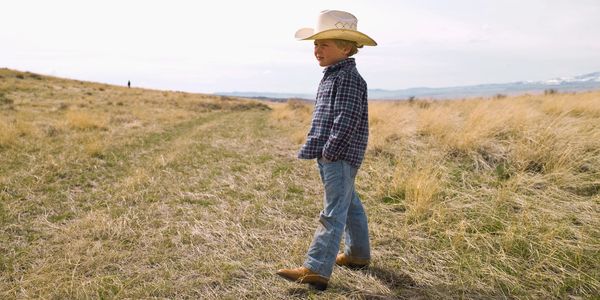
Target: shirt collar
pixel 340 64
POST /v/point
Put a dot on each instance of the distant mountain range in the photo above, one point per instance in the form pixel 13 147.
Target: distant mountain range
pixel 579 83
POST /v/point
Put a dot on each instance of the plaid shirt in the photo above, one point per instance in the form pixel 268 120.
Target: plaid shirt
pixel 340 123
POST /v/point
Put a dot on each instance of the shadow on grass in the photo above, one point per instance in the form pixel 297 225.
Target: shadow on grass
pixel 391 278
pixel 401 285
pixel 404 287
pixel 394 280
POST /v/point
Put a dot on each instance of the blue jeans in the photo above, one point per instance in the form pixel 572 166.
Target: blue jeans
pixel 342 213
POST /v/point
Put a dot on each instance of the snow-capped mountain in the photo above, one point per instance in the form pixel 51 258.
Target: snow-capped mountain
pixel 591 77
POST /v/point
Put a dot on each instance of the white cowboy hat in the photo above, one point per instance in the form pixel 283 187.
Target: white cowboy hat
pixel 336 24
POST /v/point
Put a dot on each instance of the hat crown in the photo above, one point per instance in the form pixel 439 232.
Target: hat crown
pixel 335 19
pixel 336 24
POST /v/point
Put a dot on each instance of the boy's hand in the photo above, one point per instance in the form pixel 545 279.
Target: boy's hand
pixel 325 160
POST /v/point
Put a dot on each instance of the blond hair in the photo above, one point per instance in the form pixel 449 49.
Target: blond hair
pixel 342 44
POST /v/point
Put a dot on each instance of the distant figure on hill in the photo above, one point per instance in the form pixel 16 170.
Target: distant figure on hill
pixel 128 83
pixel 337 140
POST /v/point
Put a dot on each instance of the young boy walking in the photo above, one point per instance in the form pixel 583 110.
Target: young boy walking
pixel 338 140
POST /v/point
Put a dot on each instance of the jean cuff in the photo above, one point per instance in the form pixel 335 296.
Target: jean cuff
pixel 358 257
pixel 316 267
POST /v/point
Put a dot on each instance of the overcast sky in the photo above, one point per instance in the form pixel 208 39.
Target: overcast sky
pixel 223 46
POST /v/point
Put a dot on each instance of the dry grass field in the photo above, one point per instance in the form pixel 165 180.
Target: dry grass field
pixel 111 193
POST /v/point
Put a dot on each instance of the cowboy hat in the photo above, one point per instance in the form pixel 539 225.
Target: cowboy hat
pixel 336 24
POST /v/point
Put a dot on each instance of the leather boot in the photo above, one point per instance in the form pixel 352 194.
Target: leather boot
pixel 304 275
pixel 351 262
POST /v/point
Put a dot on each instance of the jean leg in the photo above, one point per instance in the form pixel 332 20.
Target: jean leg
pixel 357 230
pixel 338 180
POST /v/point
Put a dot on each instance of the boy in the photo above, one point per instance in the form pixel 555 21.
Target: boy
pixel 338 140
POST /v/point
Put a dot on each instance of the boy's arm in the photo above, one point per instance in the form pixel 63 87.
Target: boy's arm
pixel 347 110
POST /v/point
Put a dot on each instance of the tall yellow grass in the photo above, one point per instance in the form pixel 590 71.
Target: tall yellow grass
pixel 489 189
pixel 85 120
pixel 8 134
pixel 11 131
pixel 294 112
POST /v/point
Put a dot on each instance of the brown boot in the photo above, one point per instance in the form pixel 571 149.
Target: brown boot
pixel 304 275
pixel 351 262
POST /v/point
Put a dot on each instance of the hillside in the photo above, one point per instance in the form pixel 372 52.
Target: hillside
pixel 109 192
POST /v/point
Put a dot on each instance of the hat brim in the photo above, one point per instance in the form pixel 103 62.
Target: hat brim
pixel 340 34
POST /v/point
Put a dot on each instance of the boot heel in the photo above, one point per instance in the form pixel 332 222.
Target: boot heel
pixel 318 286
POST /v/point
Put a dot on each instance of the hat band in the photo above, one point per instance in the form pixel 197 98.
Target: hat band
pixel 345 25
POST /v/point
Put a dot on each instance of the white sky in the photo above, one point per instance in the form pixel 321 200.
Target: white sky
pixel 224 45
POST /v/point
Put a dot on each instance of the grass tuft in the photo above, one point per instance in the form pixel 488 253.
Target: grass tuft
pixel 84 120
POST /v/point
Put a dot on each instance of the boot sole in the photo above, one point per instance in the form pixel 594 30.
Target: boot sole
pixel 355 266
pixel 316 285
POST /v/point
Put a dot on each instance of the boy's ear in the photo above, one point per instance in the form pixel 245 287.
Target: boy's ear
pixel 347 50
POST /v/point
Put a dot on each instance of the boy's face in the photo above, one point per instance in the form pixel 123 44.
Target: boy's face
pixel 328 53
